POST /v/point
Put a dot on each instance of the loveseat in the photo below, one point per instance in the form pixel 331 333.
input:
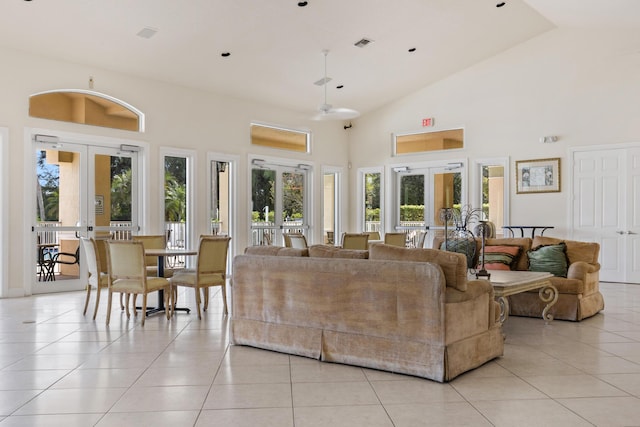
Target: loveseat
pixel 417 318
pixel 578 285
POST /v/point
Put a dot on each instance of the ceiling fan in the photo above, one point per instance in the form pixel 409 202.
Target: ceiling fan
pixel 326 111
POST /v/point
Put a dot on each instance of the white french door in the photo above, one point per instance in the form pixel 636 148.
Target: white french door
pixel 279 200
pixel 422 193
pixel 81 191
pixel 606 208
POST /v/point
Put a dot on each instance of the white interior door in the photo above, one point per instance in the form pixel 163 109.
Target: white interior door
pixel 606 209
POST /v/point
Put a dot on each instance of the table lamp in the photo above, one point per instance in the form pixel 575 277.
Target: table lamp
pixel 483 273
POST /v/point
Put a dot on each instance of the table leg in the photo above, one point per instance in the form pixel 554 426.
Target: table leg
pixel 503 302
pixel 548 294
pixel 161 308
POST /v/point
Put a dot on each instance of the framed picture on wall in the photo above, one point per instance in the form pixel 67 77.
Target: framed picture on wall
pixel 538 176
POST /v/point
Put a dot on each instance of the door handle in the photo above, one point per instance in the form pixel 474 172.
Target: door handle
pixel 621 232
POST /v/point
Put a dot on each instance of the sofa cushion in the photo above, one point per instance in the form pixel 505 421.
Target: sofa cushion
pixel 325 251
pixel 269 250
pixel 453 264
pixel 549 258
pixel 500 257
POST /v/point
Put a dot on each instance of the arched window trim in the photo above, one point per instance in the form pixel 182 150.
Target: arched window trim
pixel 134 110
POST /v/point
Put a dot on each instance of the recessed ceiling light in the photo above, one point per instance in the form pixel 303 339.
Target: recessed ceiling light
pixel 147 32
pixel 225 54
pixel 413 49
pixel 501 4
pixel 302 3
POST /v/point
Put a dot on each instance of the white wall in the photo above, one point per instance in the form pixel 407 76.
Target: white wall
pixel 583 87
pixel 175 117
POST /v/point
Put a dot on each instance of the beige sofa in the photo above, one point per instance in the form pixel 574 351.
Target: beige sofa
pixel 579 294
pixel 418 318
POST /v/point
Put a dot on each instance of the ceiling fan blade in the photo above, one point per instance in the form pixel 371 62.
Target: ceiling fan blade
pixel 336 114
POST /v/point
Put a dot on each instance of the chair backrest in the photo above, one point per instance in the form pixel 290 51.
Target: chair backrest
pixel 101 248
pixel 212 255
pixel 355 241
pixel 395 239
pixel 151 242
pixel 330 237
pixel 373 235
pixel 126 263
pixel 421 239
pixel 93 261
pixel 295 240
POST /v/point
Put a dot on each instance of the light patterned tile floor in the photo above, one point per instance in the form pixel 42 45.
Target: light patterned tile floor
pixel 59 368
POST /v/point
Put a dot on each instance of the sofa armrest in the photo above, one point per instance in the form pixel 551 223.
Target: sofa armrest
pixel 587 273
pixel 580 269
pixel 472 311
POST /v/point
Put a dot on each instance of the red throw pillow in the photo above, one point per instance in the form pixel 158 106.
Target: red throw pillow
pixel 499 257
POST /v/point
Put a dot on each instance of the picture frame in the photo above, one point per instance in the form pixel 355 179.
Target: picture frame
pixel 538 176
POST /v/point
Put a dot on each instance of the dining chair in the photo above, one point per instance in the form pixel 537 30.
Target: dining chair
pixel 395 239
pixel 211 270
pixel 67 258
pixel 97 278
pixel 152 241
pixel 295 240
pixel 355 241
pixel 128 275
pixel 373 235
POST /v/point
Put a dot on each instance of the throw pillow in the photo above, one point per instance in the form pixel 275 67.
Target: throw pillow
pixel 462 246
pixel 549 258
pixel 499 257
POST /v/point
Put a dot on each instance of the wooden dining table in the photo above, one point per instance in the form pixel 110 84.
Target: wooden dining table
pixel 161 254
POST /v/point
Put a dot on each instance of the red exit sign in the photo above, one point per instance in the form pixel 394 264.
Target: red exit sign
pixel 428 122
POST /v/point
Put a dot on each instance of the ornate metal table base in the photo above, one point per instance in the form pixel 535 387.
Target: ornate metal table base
pixel 506 283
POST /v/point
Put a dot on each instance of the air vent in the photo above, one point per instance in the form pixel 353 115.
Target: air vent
pixel 323 81
pixel 362 42
pixel 147 32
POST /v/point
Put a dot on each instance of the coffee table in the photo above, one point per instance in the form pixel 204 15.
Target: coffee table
pixel 507 283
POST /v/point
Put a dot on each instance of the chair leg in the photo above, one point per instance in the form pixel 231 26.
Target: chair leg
pixel 86 301
pixel 126 305
pixel 224 297
pixel 109 306
pixel 95 310
pixel 144 307
pixel 198 301
pixel 205 292
pixel 121 303
pixel 135 311
pixel 168 302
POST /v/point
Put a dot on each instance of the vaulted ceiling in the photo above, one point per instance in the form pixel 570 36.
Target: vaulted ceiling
pixel 275 46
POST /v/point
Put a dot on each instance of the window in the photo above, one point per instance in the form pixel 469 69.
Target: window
pixel 281 138
pixel 412 143
pixel 370 212
pixel 331 205
pixel 86 107
pixel 177 167
pixel 492 193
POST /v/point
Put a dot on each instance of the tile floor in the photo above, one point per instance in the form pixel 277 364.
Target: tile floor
pixel 59 368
